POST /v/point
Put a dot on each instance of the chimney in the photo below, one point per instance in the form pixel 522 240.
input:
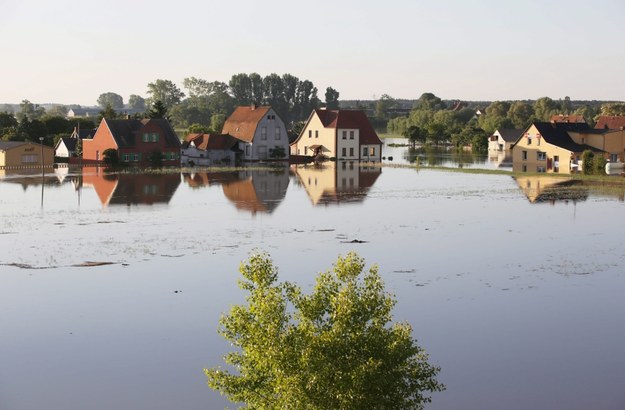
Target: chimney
pixel 253 106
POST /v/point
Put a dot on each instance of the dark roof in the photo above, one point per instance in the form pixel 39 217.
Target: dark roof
pixel 611 122
pixel 70 143
pixel 572 126
pixel 126 132
pixel 558 136
pixel 510 134
pixel 5 145
pixel 349 119
pixel 83 133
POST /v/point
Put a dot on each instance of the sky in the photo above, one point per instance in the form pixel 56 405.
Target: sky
pixel 70 52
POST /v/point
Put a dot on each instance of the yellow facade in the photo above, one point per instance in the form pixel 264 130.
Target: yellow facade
pixel 26 154
pixel 532 153
pixel 315 136
pixel 610 141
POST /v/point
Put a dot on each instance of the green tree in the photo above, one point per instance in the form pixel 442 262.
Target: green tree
pixel 241 89
pixel 108 112
pixel 544 108
pixel 114 100
pixel 333 349
pixel 332 99
pixel 383 105
pixel 199 129
pixel 414 135
pixel 217 123
pixel 612 109
pixel 30 111
pixel 136 102
pixel 158 110
pixel 165 91
pixel 520 113
pixel 110 156
pixel 429 101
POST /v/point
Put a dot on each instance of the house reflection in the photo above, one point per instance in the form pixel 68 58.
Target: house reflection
pixel 131 189
pixel 335 182
pixel 29 178
pixel 540 189
pixel 252 190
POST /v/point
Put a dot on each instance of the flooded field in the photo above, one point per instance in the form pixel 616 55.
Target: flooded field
pixel 112 285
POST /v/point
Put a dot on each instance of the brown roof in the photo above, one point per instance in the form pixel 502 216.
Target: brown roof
pixel 611 122
pixel 211 141
pixel 350 119
pixel 243 121
pixel 568 118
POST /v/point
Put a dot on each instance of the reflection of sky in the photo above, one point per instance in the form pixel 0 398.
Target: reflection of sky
pixel 517 302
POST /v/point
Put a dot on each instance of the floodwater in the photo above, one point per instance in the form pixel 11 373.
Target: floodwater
pixel 112 285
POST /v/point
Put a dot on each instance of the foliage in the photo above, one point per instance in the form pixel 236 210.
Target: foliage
pixel 277 152
pixel 587 162
pixel 157 110
pixel 599 163
pixel 414 135
pixel 136 102
pixel 333 349
pixel 30 111
pixel 166 92
pixel 199 129
pixel 109 113
pixel 217 122
pixel 111 99
pixel 612 109
pixel 110 156
pixel 332 99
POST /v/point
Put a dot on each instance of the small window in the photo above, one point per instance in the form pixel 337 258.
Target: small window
pixel 278 133
pixel 125 157
pixel 154 137
pixel 540 170
pixel 316 134
pixel 344 151
pixel 145 137
pixel 372 151
pixel 364 151
pixel 351 151
pixel 344 134
pixel 529 140
pixel 309 133
pixel 351 135
pixel 541 156
pixel 263 133
pixel 524 155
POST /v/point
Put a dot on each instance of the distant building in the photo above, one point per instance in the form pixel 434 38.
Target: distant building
pixel 209 149
pixel 611 122
pixel 136 142
pixel 66 146
pixel 261 133
pixel 568 119
pixel 83 112
pixel 502 139
pixel 341 134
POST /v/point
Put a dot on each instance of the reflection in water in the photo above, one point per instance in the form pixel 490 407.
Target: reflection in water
pixel 552 189
pixel 335 182
pixel 253 190
pixel 439 156
pixel 132 189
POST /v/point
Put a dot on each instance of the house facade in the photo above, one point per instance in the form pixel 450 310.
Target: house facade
pixel 547 148
pixel 260 131
pixel 341 134
pixel 66 146
pixel 137 142
pixel 207 149
pixel 502 139
pixel 17 154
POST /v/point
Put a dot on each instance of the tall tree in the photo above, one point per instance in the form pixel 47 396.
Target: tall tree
pixel 136 102
pixel 429 101
pixel 241 89
pixel 520 113
pixel 335 348
pixel 30 111
pixel 544 108
pixel 158 110
pixel 114 100
pixel 332 99
pixel 166 92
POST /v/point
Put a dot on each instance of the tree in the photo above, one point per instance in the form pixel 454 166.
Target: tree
pixel 166 92
pixel 333 349
pixel 110 156
pixel 136 102
pixel 612 109
pixel 158 110
pixel 114 100
pixel 108 112
pixel 429 101
pixel 217 122
pixel 383 105
pixel 520 113
pixel 30 111
pixel 332 99
pixel 414 135
pixel 544 108
pixel 241 89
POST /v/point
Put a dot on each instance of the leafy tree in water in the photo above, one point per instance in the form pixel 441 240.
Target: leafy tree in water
pixel 114 100
pixel 414 135
pixel 333 349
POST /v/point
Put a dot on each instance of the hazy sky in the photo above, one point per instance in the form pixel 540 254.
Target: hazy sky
pixel 72 51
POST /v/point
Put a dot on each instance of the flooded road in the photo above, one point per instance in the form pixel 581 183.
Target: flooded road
pixel 111 286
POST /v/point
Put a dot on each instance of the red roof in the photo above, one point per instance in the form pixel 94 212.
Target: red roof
pixel 350 119
pixel 568 118
pixel 211 141
pixel 243 122
pixel 611 122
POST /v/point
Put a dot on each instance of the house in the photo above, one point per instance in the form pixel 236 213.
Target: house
pixel 610 122
pixel 502 139
pixel 66 146
pixel 261 133
pixel 547 147
pixel 341 134
pixel 83 112
pixel 138 142
pixel 25 154
pixel 568 119
pixel 611 141
pixel 209 149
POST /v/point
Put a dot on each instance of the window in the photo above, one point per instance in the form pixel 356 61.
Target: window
pixel 529 140
pixel 540 169
pixel 29 159
pixel 145 137
pixel 351 151
pixel 125 157
pixel 351 135
pixel 524 155
pixel 247 150
pixel 278 133
pixel 372 151
pixel 344 135
pixel 263 133
pixel 316 134
pixel 344 151
pixel 613 157
pixel 524 168
pixel 343 165
pixel 538 141
pixel 364 151
pixel 154 136
pixel 541 156
pixel 309 133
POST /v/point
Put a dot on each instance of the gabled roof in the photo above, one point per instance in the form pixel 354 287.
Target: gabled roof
pixel 510 134
pixel 349 119
pixel 558 136
pixel 573 118
pixel 126 132
pixel 243 121
pixel 611 122
pixel 70 143
pixel 206 142
pixel 83 133
pixel 5 145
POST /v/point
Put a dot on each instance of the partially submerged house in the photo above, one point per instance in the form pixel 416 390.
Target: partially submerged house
pixel 138 142
pixel 502 139
pixel 260 131
pixel 547 147
pixel 209 149
pixel 66 146
pixel 16 154
pixel 341 134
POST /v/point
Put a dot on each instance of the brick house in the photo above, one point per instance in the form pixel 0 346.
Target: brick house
pixel 136 142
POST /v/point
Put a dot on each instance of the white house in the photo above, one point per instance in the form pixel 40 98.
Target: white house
pixel 261 133
pixel 207 149
pixel 502 139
